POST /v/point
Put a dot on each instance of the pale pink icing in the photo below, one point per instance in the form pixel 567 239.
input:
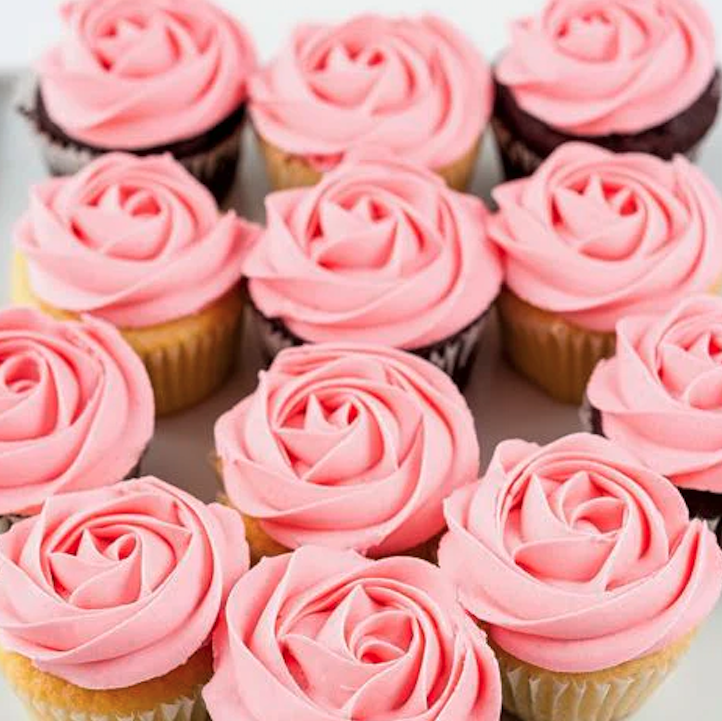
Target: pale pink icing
pixel 137 241
pixel 133 75
pixel 417 87
pixel 113 587
pixel 320 634
pixel 577 557
pixel 661 396
pixel 596 67
pixel 76 408
pixel 594 236
pixel 348 446
pixel 380 251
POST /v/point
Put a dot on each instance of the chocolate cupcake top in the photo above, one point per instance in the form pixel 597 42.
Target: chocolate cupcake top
pixel 594 236
pixel 132 75
pixel 417 87
pixel 76 408
pixel 136 241
pixel 380 251
pixel 348 446
pixel 661 395
pixel 619 66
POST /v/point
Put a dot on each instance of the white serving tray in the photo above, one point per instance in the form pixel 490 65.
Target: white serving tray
pixel 505 406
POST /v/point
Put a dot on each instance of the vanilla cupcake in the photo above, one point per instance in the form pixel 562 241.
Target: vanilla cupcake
pixel 322 634
pixel 347 446
pixel 591 237
pixel 76 409
pixel 140 243
pixel 413 86
pixel 381 252
pixel 661 398
pixel 108 599
pixel 630 76
pixel 585 570
pixel 146 78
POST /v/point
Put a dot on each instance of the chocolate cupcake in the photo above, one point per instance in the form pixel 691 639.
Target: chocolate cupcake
pixel 661 398
pixel 380 252
pixel 147 78
pixel 630 77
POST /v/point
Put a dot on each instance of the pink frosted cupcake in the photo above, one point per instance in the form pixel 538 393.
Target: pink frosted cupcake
pixel 76 409
pixel 627 75
pixel 323 634
pixel 347 446
pixel 586 571
pixel 661 398
pixel 148 78
pixel 591 237
pixel 108 599
pixel 141 243
pixel 413 86
pixel 379 252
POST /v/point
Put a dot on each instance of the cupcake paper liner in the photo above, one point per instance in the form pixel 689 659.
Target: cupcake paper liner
pixel 455 355
pixel 552 353
pixel 534 694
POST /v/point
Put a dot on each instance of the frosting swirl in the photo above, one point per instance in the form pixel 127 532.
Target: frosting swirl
pixel 597 67
pixel 379 251
pixel 113 587
pixel 577 557
pixel 133 75
pixel 416 87
pixel 329 634
pixel 76 408
pixel 348 446
pixel 136 241
pixel 595 236
pixel 661 396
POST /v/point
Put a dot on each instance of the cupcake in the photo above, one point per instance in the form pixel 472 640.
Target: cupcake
pixel 379 252
pixel 140 243
pixel 108 599
pixel 349 447
pixel 586 572
pixel 326 634
pixel 591 237
pixel 661 398
pixel 628 76
pixel 159 76
pixel 76 409
pixel 413 86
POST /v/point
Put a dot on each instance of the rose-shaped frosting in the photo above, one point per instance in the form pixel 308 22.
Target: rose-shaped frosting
pixel 76 408
pixel 137 241
pixel 416 87
pixel 578 557
pixel 348 446
pixel 661 395
pixel 379 251
pixel 134 75
pixel 113 587
pixel 597 67
pixel 330 635
pixel 595 236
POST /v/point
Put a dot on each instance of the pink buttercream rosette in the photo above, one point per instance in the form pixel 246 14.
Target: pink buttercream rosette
pixel 320 635
pixel 110 588
pixel 598 67
pixel 577 557
pixel 348 446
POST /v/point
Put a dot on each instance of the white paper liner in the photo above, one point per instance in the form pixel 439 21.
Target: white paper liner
pixel 184 709
pixel 550 697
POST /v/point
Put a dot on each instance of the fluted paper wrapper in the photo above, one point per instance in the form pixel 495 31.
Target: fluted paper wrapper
pixel 553 354
pixel 533 694
pixel 183 709
pixel 286 170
